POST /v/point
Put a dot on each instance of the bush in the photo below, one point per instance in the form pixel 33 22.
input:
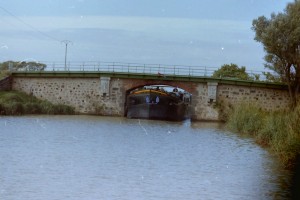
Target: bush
pixel 32 108
pixel 17 103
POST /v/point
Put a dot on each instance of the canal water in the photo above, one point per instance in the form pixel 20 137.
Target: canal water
pixel 91 157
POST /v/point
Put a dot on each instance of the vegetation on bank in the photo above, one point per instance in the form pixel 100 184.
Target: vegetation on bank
pixel 280 36
pixel 7 67
pixel 19 103
pixel 233 71
pixel 277 130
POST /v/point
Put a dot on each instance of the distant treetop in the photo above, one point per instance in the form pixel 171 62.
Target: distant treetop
pixel 232 71
pixel 22 66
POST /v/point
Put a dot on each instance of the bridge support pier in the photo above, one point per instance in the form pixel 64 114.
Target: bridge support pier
pixel 212 92
pixel 104 86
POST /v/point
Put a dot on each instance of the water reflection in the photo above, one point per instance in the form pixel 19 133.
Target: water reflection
pixel 86 157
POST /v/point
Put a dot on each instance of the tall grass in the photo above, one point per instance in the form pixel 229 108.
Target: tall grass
pixel 4 73
pixel 280 130
pixel 19 103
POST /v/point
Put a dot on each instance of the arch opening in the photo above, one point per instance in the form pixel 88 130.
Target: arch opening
pixel 162 102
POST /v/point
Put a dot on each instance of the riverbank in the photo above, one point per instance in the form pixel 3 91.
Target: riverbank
pixel 19 103
pixel 278 131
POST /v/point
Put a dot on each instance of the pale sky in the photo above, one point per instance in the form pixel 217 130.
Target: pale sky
pixel 191 32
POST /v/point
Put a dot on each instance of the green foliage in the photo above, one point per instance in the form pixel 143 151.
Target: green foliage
pixel 22 66
pixel 280 36
pixel 4 74
pixel 18 103
pixel 246 118
pixel 280 131
pixel 272 78
pixel 232 71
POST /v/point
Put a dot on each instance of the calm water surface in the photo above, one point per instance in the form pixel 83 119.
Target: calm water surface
pixel 88 157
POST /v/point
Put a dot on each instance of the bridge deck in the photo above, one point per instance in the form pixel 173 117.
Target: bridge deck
pixel 126 75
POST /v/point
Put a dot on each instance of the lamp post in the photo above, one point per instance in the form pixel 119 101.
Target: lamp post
pixel 66 42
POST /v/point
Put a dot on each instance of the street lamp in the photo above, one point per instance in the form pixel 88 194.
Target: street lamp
pixel 66 42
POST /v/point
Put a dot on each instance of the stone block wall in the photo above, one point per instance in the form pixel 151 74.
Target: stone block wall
pixel 107 95
pixel 84 94
pixel 202 107
pixel 266 98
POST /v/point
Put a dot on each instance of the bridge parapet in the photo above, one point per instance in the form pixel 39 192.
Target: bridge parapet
pixel 170 77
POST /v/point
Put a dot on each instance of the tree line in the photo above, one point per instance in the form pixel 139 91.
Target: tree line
pixel 22 66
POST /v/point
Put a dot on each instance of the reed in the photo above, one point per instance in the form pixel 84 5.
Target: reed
pixel 19 103
pixel 278 130
pixel 246 118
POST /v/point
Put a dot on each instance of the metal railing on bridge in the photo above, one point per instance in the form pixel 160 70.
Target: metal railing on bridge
pixel 137 68
pixel 132 68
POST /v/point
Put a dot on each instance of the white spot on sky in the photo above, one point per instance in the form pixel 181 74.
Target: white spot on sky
pixel 222 48
pixel 4 47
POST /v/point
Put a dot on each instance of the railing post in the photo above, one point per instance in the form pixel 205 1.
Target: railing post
pixel 159 68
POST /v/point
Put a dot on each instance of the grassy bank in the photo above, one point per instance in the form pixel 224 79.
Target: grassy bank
pixel 279 131
pixel 19 103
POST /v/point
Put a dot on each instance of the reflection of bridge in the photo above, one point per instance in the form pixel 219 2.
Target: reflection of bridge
pixel 102 89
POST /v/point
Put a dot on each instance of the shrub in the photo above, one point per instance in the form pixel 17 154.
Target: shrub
pixel 17 103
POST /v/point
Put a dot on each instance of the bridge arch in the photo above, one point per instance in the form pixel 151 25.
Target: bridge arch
pixel 131 84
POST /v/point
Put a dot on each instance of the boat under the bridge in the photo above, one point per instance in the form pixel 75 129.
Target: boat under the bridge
pixel 155 102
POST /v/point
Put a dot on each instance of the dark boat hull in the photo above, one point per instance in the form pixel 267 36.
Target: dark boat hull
pixel 157 106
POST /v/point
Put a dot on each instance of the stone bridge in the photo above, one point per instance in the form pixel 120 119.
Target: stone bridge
pixel 104 93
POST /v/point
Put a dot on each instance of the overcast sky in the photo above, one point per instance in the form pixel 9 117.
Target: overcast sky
pixel 191 32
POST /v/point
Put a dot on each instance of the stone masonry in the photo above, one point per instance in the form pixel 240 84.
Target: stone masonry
pixel 82 93
pixel 266 98
pixel 107 95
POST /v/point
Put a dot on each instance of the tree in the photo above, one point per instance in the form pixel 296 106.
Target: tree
pixel 22 66
pixel 280 36
pixel 232 71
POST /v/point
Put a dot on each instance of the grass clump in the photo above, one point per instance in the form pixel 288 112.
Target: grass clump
pixel 278 130
pixel 19 103
pixel 246 119
pixel 4 73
